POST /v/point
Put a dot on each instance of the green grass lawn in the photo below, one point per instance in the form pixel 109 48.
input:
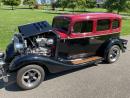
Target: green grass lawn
pixel 9 20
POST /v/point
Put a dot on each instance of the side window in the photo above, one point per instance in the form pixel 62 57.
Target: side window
pixel 115 24
pixel 83 27
pixel 103 25
pixel 77 27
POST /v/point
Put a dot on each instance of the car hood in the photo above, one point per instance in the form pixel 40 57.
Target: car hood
pixel 34 29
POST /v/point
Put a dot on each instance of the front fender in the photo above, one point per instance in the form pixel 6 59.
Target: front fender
pixel 23 60
pixel 52 65
pixel 10 53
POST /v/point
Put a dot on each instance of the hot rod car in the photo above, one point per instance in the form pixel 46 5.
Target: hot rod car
pixel 73 41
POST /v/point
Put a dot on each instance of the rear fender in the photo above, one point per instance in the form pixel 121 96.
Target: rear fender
pixel 110 43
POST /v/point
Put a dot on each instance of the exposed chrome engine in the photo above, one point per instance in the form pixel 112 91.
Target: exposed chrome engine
pixel 41 45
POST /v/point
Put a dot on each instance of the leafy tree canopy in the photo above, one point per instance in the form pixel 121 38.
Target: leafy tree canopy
pixel 90 3
pixel 12 3
pixel 86 4
pixel 118 5
pixel 72 4
pixel 29 2
pixel 62 3
pixel 76 3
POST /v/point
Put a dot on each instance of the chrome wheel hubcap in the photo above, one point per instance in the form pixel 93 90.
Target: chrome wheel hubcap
pixel 31 77
pixel 114 54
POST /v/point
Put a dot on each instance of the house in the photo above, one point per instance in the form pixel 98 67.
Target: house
pixel 100 1
pixel 41 1
pixel 45 1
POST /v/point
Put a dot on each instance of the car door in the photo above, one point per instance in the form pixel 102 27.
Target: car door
pixel 80 39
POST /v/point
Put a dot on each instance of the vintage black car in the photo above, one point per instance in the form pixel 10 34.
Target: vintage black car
pixel 73 41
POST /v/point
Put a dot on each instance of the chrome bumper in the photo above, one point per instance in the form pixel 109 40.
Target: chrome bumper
pixel 3 73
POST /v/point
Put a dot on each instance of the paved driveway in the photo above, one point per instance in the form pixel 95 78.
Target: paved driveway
pixel 102 81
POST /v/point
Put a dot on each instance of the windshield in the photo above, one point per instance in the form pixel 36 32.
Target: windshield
pixel 62 24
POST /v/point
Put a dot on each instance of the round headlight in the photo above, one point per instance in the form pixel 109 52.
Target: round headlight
pixel 18 47
pixel 50 42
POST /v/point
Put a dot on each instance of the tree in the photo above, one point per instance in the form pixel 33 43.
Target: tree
pixel 62 3
pixel 30 3
pixel 12 3
pixel 86 4
pixel 82 4
pixel 90 3
pixel 53 4
pixel 0 2
pixel 72 4
pixel 118 5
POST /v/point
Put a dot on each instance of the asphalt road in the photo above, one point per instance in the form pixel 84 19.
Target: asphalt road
pixel 102 81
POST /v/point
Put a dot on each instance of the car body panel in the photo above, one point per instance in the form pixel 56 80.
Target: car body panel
pixel 89 45
pixel 89 16
pixel 52 65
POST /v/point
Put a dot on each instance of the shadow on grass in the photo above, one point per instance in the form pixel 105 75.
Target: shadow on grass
pixel 16 8
pixel 55 13
pixel 12 86
pixel 78 11
pixel 6 9
pixel 73 11
pixel 25 8
pixel 125 14
pixel 126 18
pixel 50 11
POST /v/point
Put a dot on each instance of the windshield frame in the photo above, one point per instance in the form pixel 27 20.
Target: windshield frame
pixel 63 19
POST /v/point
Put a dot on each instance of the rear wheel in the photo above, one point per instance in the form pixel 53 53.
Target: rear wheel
pixel 113 54
pixel 30 76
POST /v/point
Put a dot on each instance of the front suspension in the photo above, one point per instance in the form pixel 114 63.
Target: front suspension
pixel 3 73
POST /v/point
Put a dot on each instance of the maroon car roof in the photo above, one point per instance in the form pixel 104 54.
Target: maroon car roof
pixel 91 15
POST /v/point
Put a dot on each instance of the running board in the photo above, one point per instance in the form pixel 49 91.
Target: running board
pixel 87 60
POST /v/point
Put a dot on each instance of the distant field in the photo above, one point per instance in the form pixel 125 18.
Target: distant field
pixel 9 20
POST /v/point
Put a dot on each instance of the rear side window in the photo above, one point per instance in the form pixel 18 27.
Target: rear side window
pixel 103 25
pixel 83 27
pixel 115 24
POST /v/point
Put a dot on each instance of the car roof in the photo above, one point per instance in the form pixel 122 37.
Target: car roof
pixel 91 15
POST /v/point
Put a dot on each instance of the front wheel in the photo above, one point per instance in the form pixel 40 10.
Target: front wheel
pixel 30 76
pixel 113 54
